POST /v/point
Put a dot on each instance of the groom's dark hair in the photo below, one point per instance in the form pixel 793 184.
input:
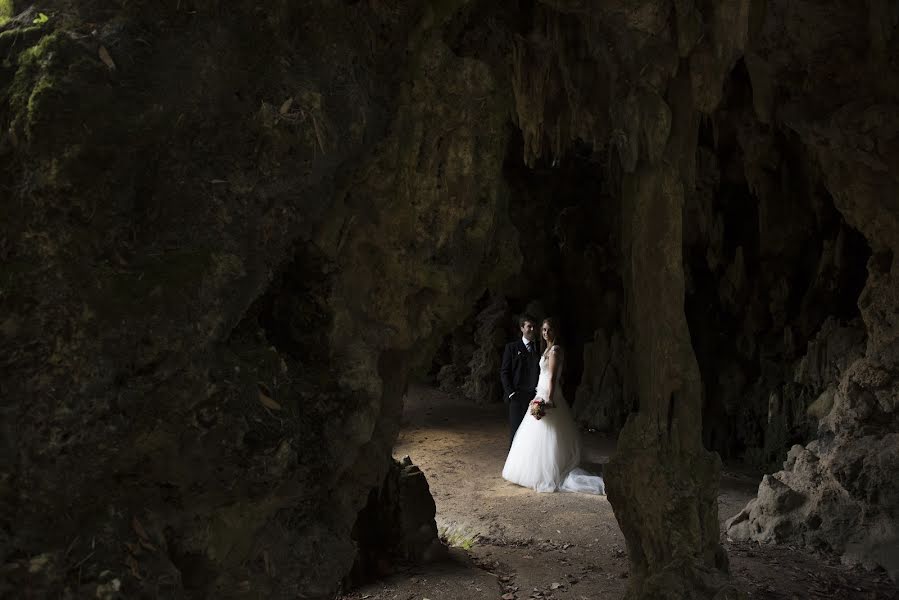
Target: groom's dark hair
pixel 526 318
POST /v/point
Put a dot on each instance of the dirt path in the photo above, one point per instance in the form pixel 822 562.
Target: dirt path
pixel 509 542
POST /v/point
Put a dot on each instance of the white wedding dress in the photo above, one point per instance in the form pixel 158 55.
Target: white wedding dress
pixel 545 452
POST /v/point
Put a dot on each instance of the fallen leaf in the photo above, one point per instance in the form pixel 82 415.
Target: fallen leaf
pixel 139 529
pixel 285 106
pixel 508 596
pixel 555 586
pixel 106 58
pixel 132 564
pixel 265 397
pixel 147 545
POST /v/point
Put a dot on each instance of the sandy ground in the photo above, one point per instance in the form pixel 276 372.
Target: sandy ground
pixel 512 543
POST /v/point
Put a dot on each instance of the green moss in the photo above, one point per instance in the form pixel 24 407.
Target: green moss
pixel 33 81
pixel 456 536
pixel 6 11
pixel 53 77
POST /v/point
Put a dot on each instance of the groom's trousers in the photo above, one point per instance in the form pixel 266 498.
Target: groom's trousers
pixel 518 406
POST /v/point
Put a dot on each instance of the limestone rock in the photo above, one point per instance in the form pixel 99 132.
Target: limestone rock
pixel 448 379
pixel 830 353
pixel 397 524
pixel 600 401
pixel 482 383
pixel 217 280
pixel 847 475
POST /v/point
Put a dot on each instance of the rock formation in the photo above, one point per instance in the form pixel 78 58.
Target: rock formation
pixel 397 524
pixel 600 401
pixel 230 233
pixel 838 492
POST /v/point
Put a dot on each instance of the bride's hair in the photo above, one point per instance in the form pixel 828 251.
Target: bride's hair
pixel 553 323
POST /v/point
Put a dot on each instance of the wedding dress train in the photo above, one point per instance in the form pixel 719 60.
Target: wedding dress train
pixel 545 452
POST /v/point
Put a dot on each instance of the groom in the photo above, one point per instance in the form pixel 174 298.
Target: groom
pixel 519 372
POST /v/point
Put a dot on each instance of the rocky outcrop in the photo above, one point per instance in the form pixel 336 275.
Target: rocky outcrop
pixel 230 234
pixel 770 260
pixel 841 487
pixel 600 402
pixel 491 334
pixel 397 523
pixel 469 359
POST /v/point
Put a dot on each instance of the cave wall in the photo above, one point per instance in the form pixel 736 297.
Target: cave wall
pixel 219 264
pixel 769 260
pixel 836 93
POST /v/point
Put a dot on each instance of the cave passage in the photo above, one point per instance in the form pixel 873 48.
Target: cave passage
pixel 254 254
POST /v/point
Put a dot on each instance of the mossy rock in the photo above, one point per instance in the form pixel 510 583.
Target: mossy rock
pixel 6 11
pixel 55 76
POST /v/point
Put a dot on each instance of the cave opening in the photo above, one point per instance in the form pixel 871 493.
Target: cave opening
pixel 769 261
pixel 568 225
pixel 455 423
pixel 253 256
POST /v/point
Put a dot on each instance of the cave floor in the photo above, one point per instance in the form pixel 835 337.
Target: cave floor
pixel 509 540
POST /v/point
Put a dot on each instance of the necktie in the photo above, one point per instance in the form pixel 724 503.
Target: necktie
pixel 530 347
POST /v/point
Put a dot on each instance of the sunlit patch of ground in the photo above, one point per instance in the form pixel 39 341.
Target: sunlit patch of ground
pixel 509 540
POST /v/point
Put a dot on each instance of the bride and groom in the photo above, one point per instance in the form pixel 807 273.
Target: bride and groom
pixel 545 445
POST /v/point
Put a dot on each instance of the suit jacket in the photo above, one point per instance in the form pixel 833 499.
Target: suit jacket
pixel 520 369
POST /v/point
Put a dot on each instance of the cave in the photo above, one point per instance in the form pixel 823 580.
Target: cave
pixel 258 264
pixel 567 223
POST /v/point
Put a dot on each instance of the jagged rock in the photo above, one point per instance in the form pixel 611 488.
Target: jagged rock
pixel 448 379
pixel 830 353
pixel 600 402
pixel 482 383
pixel 848 474
pixel 216 280
pixel 398 522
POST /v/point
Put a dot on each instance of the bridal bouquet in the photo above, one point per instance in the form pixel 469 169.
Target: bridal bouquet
pixel 538 408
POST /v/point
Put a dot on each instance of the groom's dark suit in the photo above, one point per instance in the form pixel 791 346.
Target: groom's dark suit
pixel 519 372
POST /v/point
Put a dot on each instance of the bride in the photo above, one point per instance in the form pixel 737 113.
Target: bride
pixel 546 449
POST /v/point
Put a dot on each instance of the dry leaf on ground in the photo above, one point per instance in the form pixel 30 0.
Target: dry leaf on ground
pixel 106 58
